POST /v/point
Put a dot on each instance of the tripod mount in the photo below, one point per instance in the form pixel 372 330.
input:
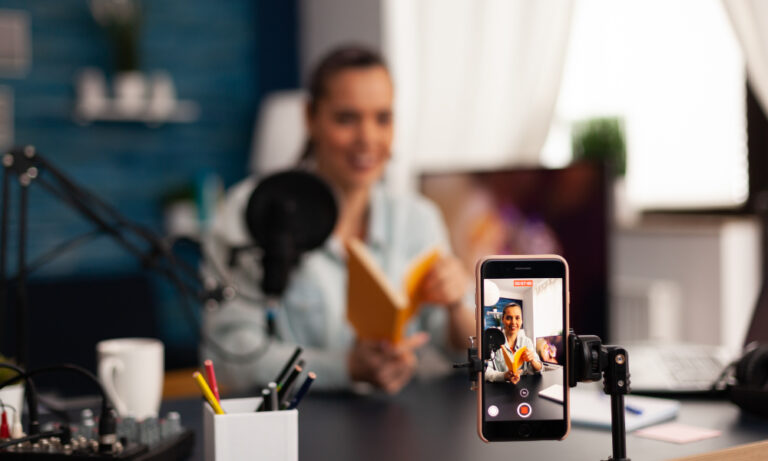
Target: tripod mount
pixel 590 361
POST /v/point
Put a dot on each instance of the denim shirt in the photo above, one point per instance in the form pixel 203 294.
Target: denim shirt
pixel 498 366
pixel 312 311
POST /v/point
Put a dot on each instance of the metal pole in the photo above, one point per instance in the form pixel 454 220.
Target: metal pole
pixel 4 250
pixel 22 320
pixel 617 427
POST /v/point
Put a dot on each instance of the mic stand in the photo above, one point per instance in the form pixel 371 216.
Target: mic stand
pixel 28 166
pixel 590 360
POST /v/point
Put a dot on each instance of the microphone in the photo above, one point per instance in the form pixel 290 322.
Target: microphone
pixel 288 214
pixel 493 339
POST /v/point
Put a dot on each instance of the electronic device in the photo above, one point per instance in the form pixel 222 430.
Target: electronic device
pixel 565 211
pixel 522 327
pixel 694 368
pixel 288 214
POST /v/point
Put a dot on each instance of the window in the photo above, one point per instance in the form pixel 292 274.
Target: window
pixel 674 71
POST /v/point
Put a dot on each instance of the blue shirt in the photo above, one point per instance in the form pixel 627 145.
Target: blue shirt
pixel 312 311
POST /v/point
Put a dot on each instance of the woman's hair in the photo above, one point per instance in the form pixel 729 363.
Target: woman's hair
pixel 338 60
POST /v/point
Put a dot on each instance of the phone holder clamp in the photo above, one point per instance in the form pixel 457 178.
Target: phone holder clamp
pixel 591 360
pixel 473 363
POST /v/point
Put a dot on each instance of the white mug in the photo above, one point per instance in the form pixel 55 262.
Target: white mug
pixel 131 371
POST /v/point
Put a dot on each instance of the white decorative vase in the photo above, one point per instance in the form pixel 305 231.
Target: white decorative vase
pixel 130 92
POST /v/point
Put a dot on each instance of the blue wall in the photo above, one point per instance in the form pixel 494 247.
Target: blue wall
pixel 223 55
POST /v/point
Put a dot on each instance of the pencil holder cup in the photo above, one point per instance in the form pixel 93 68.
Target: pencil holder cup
pixel 243 433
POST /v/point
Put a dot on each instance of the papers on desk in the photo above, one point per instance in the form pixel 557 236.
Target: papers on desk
pixel 554 392
pixel 590 407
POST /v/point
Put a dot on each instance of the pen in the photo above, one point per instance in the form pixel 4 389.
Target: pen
pixel 269 398
pixel 300 363
pixel 272 395
pixel 207 393
pixel 282 393
pixel 211 375
pixel 287 367
pixel 633 410
pixel 302 390
pixel 264 399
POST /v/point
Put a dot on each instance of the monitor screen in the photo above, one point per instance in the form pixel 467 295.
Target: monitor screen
pixel 535 211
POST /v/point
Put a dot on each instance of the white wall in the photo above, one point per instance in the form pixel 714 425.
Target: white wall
pixel 548 312
pixel 325 24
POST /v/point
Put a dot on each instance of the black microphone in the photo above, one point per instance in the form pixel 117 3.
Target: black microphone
pixel 288 214
pixel 493 339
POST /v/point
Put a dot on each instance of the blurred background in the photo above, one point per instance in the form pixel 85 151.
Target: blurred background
pixel 629 137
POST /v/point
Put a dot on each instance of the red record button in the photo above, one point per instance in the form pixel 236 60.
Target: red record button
pixel 524 410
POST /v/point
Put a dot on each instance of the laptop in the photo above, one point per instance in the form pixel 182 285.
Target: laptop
pixel 683 368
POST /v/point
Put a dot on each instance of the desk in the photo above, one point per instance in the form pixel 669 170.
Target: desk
pixel 505 396
pixel 438 421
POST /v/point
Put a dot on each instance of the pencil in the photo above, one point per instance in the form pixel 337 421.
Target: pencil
pixel 282 393
pixel 211 375
pixel 302 391
pixel 288 366
pixel 207 393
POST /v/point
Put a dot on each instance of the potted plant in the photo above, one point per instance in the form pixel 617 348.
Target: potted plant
pixel 601 139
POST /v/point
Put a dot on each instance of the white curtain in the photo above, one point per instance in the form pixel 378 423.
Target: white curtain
pixel 476 80
pixel 750 22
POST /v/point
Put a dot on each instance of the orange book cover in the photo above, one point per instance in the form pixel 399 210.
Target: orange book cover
pixel 375 308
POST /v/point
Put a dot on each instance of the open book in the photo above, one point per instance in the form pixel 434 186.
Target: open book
pixel 376 309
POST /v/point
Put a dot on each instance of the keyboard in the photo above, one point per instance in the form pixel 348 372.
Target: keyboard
pixel 676 367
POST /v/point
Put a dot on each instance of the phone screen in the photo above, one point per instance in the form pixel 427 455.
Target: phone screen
pixel 524 323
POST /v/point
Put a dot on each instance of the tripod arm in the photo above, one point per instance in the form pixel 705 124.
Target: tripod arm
pixel 152 251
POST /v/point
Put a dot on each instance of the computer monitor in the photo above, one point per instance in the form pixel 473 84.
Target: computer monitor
pixel 535 211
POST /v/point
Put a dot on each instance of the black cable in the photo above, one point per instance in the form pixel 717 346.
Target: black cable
pixel 107 418
pixel 31 438
pixel 63 367
pixel 721 383
pixel 228 356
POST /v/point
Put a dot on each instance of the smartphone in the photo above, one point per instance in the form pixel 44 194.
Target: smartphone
pixel 522 325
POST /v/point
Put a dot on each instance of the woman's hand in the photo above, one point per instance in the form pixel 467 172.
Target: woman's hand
pixel 512 377
pixel 386 366
pixel 445 283
pixel 528 355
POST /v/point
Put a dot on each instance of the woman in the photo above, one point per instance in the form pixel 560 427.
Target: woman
pixel 350 125
pixel 512 318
